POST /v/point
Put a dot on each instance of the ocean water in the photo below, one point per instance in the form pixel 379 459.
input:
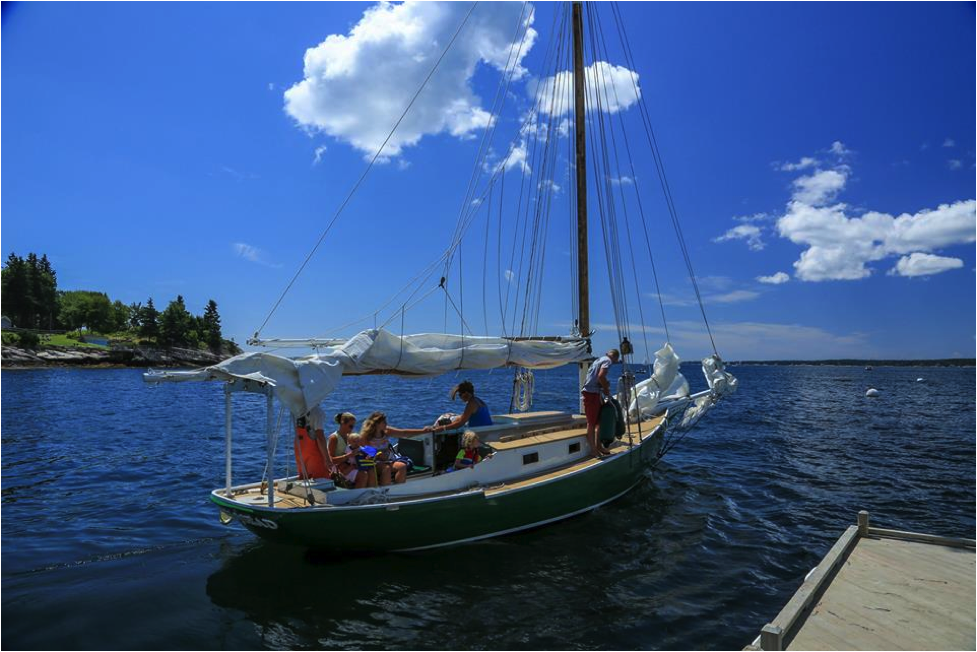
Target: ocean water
pixel 109 540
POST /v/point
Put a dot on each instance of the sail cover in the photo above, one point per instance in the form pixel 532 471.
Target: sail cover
pixel 302 383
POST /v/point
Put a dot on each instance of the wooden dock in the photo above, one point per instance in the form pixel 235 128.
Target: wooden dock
pixel 879 589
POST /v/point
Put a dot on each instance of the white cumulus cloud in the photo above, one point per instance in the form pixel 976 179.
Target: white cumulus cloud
pixel 804 163
pixel 613 88
pixel 747 232
pixel 919 264
pixel 774 279
pixel 839 245
pixel 839 242
pixel 820 187
pixel 356 85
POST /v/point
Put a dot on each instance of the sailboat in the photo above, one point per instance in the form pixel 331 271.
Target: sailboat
pixel 537 466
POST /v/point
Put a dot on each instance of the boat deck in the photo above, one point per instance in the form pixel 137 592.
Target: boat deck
pixel 296 499
pixel 555 434
pixel 619 446
pixel 882 590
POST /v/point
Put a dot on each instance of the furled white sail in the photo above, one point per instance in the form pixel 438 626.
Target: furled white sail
pixel 665 381
pixel 720 381
pixel 301 383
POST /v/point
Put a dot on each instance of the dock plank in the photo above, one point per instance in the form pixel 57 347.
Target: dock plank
pixel 897 595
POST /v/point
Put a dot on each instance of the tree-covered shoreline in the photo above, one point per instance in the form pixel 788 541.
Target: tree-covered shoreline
pixel 935 362
pixel 47 317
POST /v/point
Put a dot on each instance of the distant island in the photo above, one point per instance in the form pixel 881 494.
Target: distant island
pixel 44 326
pixel 942 362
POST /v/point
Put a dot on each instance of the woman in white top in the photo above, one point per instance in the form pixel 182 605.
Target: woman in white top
pixel 339 457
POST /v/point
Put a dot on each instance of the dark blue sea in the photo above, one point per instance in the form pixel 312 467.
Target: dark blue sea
pixel 109 540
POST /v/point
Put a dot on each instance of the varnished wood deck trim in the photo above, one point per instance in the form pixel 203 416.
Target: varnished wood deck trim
pixel 523 417
pixel 535 439
pixel 647 428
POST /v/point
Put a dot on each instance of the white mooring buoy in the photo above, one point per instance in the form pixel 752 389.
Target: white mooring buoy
pixel 872 392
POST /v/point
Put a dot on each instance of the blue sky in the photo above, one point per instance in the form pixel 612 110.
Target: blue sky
pixel 157 149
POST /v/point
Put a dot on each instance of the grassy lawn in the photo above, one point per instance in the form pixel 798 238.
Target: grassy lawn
pixel 125 337
pixel 63 340
pixel 68 340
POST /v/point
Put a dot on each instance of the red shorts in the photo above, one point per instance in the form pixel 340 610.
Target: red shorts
pixel 591 407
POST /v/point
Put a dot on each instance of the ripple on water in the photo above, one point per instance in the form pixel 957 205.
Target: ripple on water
pixel 106 519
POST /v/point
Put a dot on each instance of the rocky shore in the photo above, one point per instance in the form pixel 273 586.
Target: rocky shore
pixel 117 356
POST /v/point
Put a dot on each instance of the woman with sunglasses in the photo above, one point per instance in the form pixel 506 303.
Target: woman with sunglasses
pixel 340 457
pixel 375 433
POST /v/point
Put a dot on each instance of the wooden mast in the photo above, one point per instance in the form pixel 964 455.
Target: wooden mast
pixel 579 115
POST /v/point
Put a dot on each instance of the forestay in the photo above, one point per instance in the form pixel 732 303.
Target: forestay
pixel 302 383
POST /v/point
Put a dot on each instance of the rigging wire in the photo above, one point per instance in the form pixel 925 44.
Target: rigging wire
pixel 485 256
pixel 502 93
pixel 498 252
pixel 425 274
pixel 465 218
pixel 369 167
pixel 598 43
pixel 594 113
pixel 660 167
pixel 543 186
pixel 637 194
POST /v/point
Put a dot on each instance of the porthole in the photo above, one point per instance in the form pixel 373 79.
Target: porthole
pixel 530 458
pixel 575 447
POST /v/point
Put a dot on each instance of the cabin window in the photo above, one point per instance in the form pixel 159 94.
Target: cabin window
pixel 530 458
pixel 575 448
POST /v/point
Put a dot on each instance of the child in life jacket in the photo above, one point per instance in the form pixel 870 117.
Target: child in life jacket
pixel 366 462
pixel 468 456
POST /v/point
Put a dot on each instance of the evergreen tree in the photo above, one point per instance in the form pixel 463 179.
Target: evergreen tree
pixel 49 293
pixel 14 290
pixel 149 320
pixel 34 290
pixel 175 324
pixel 30 291
pixel 212 327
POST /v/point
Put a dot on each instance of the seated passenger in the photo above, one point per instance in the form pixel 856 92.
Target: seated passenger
pixel 310 445
pixel 476 412
pixel 342 461
pixel 366 463
pixel 468 456
pixel 375 432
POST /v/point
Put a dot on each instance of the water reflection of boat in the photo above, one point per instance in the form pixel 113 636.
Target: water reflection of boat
pixel 297 599
pixel 538 467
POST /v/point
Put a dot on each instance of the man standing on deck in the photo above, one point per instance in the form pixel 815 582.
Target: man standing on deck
pixel 595 385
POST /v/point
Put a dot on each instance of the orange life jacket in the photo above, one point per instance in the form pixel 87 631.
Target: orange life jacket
pixel 307 451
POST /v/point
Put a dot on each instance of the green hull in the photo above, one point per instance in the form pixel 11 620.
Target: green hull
pixel 446 520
